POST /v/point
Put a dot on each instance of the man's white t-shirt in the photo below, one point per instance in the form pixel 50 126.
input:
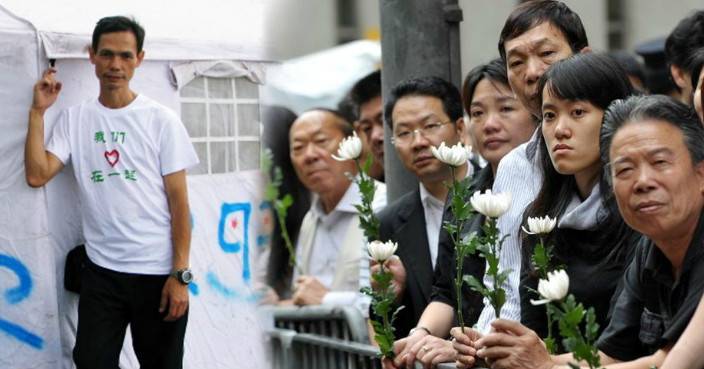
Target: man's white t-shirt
pixel 119 157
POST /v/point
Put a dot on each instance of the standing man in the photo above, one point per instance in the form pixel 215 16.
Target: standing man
pixel 129 156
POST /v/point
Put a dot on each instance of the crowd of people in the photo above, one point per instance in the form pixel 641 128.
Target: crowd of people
pixel 588 138
pixel 613 152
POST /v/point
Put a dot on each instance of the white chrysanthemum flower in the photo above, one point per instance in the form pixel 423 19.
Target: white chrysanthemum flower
pixel 554 288
pixel 538 225
pixel 455 156
pixel 350 148
pixel 489 204
pixel 381 251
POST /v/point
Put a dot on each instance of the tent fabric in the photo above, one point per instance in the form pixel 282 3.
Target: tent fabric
pixel 175 30
pixel 74 46
pixel 38 226
pixel 186 72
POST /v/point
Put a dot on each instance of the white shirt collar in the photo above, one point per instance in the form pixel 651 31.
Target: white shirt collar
pixel 346 204
pixel 428 199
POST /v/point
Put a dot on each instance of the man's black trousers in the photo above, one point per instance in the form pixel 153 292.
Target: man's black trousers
pixel 110 301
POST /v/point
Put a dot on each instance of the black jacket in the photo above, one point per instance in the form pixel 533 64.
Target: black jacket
pixel 403 221
pixel 445 268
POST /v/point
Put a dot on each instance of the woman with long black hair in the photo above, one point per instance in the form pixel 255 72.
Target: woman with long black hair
pixel 591 241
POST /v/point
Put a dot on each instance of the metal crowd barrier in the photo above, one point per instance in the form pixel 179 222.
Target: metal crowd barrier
pixel 292 350
pixel 343 322
pixel 321 337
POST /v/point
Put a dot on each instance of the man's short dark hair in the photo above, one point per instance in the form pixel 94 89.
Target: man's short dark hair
pixel 118 24
pixel 426 86
pixel 365 90
pixel 347 108
pixel 637 109
pixel 530 14
pixel 685 40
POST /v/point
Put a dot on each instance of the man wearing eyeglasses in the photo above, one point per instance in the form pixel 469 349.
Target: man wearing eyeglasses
pixel 422 113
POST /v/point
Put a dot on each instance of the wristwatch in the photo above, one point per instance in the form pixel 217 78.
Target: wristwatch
pixel 185 276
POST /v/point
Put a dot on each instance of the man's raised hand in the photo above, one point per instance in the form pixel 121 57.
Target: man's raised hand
pixel 46 90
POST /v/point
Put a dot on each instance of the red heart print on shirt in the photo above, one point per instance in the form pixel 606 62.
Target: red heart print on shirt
pixel 112 157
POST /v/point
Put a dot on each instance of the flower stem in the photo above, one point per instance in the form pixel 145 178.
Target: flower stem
pixel 459 250
pixel 458 290
pixel 494 249
pixel 288 243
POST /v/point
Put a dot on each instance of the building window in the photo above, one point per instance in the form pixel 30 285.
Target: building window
pixel 347 28
pixel 222 117
pixel 616 24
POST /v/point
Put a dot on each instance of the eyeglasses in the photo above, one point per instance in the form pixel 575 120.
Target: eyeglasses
pixel 406 136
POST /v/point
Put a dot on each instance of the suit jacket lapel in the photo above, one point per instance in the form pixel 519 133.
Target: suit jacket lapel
pixel 413 245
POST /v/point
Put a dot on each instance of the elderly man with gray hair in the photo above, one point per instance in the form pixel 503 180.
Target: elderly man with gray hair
pixel 654 147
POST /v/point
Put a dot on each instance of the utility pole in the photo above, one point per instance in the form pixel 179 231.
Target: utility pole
pixel 418 38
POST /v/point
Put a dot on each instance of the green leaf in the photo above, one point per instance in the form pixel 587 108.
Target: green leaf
pixel 367 164
pixel 493 263
pixel 270 193
pixel 592 327
pixel 502 277
pixel 474 284
pixel 550 345
pixel 450 228
pixel 574 316
pixel 465 213
pixel 287 200
pixel 541 259
pixel 500 298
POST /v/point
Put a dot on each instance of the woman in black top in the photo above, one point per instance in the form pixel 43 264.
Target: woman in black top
pixel 591 241
pixel 494 118
pixel 498 123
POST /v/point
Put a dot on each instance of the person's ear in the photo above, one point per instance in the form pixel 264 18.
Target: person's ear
pixel 678 76
pixel 91 55
pixel 585 50
pixel 461 126
pixel 699 171
pixel 464 132
pixel 140 57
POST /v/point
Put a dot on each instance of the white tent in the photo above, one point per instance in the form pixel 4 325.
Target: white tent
pixel 205 60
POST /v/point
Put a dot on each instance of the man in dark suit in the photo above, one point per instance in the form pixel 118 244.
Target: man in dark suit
pixel 421 113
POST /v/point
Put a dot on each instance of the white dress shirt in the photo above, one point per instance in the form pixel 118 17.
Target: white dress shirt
pixel 331 230
pixel 432 209
pixel 522 177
